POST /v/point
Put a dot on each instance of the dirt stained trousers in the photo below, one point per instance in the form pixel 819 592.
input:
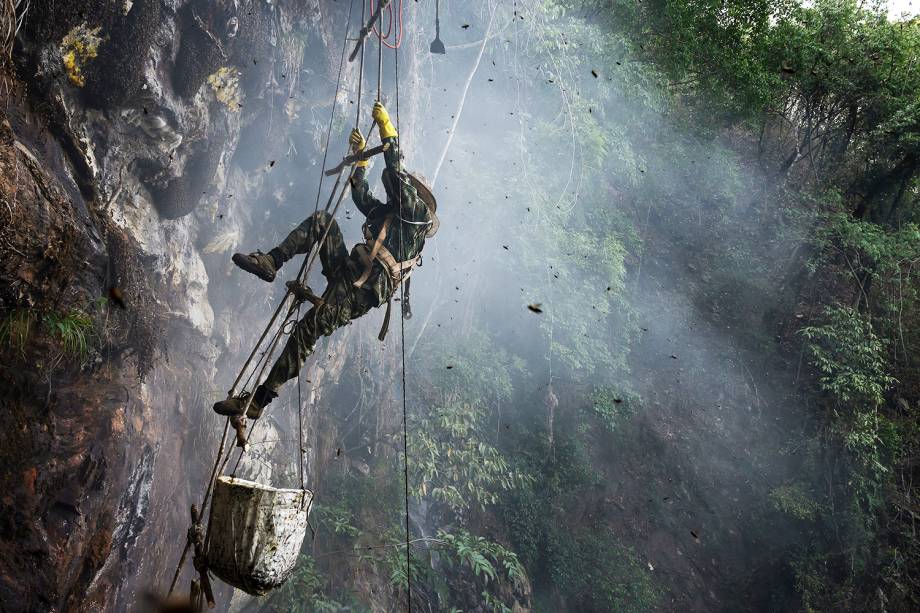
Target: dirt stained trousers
pixel 343 302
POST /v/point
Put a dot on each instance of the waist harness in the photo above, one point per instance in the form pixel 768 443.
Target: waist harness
pixel 371 251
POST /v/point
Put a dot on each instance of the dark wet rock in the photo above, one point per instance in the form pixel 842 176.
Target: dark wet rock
pixel 133 183
pixel 71 425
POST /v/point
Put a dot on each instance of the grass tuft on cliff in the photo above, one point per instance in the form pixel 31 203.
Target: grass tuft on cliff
pixel 16 329
pixel 72 330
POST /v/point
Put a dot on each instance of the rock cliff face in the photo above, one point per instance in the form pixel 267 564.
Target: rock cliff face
pixel 131 134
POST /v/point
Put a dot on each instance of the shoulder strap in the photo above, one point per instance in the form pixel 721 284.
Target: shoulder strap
pixel 375 248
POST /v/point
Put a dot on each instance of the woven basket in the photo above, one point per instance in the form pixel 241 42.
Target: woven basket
pixel 256 533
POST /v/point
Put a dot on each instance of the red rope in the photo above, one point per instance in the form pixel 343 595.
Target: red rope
pixel 390 19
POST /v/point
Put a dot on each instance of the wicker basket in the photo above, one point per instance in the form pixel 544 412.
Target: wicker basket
pixel 255 533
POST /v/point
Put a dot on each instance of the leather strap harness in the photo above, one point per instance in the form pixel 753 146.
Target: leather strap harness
pixel 374 251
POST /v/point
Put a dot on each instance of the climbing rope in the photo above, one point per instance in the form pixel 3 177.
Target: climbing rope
pixel 335 99
pixel 360 71
pixel 380 64
pixel 398 20
pixel 402 350
pixel 301 278
pixel 199 538
pixel 301 450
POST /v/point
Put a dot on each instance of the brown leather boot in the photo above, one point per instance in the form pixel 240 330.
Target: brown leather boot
pixel 233 406
pixel 260 264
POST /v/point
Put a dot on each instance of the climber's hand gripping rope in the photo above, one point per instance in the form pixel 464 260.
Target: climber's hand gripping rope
pixel 382 118
pixel 303 293
pixel 358 143
pixel 358 157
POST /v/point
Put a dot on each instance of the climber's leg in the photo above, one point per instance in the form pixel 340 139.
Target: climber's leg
pixel 342 304
pixel 260 264
pixel 300 240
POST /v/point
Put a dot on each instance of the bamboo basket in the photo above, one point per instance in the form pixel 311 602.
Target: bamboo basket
pixel 256 532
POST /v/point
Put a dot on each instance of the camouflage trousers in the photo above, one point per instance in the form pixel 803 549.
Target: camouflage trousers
pixel 342 301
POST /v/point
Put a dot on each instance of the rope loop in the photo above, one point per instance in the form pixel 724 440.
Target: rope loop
pixel 391 20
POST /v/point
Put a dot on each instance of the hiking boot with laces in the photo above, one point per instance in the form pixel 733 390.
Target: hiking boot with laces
pixel 233 407
pixel 260 264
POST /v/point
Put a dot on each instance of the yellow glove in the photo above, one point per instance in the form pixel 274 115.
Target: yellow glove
pixel 382 118
pixel 357 142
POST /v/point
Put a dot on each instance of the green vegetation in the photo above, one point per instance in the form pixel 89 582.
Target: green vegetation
pixel 335 518
pixel 602 575
pixel 795 500
pixel 303 592
pixel 72 331
pixel 483 557
pixel 612 408
pixel 454 465
pixel 824 97
pixel 782 133
pixel 16 329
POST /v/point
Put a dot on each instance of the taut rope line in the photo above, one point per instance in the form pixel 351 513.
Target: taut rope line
pixel 403 287
pixel 303 274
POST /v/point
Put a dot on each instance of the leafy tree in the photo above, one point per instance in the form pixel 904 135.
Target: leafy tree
pixel 850 357
pixel 453 465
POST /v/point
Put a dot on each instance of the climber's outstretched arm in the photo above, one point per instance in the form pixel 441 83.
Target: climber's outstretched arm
pixel 360 190
pixel 362 197
pixel 388 136
pixel 391 155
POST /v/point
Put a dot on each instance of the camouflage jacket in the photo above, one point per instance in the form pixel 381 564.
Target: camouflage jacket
pixel 410 220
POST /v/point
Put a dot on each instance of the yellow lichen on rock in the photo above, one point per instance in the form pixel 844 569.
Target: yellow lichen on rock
pixel 226 86
pixel 79 46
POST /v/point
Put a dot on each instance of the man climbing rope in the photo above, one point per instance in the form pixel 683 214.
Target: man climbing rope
pixel 395 234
